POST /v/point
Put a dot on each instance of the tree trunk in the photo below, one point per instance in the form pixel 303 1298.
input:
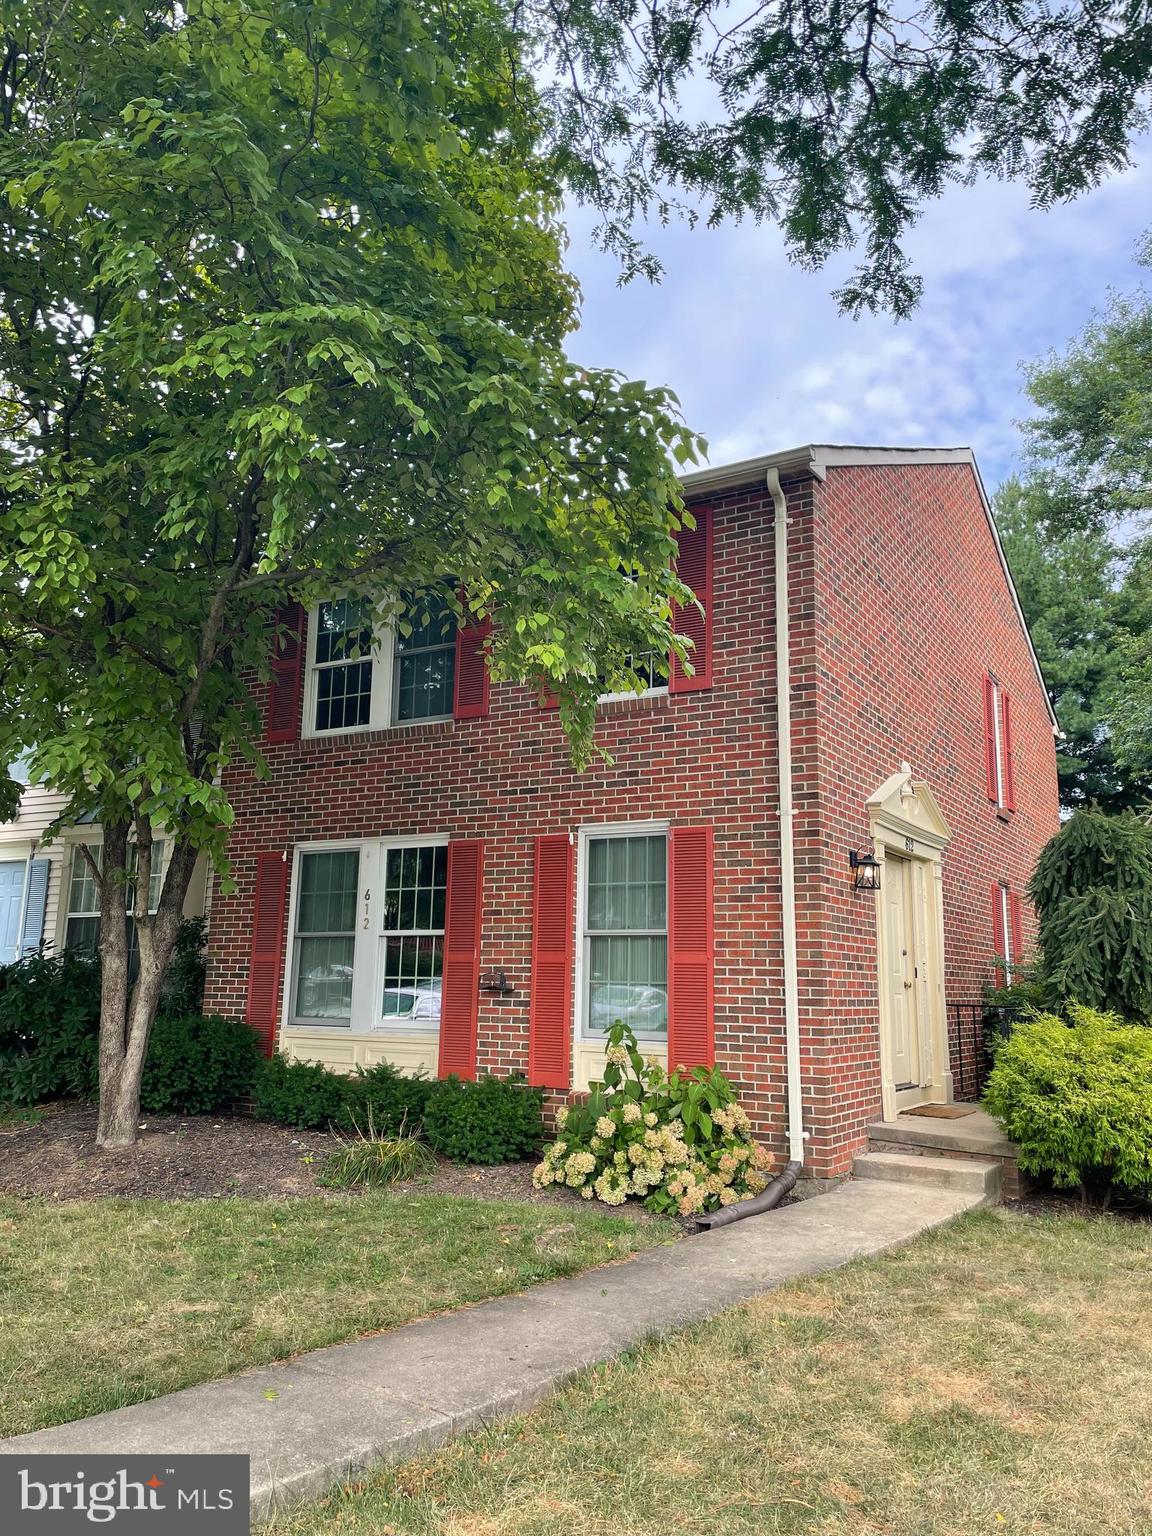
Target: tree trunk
pixel 127 1013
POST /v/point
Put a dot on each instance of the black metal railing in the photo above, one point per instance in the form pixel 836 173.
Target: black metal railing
pixel 974 1030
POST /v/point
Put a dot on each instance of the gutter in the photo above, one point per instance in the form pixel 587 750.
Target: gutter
pixel 787 831
pixel 784 1182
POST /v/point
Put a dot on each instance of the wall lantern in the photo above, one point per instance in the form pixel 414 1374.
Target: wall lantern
pixel 496 981
pixel 865 870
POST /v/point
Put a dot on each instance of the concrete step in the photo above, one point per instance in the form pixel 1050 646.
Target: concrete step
pixel 971 1175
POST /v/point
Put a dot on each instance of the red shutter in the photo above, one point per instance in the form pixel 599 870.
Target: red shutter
pixel 990 738
pixel 1016 918
pixel 694 566
pixel 471 696
pixel 1009 752
pixel 266 959
pixel 553 935
pixel 691 1039
pixel 999 937
pixel 460 996
pixel 287 685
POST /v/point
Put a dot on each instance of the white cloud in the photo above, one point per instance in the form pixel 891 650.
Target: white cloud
pixel 761 359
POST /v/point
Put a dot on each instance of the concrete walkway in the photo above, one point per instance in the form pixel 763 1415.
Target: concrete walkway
pixel 329 1415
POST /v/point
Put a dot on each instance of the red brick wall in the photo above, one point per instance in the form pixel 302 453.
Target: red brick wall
pixel 911 611
pixel 898 606
pixel 697 757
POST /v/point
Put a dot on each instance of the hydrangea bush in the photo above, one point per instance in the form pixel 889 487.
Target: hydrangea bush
pixel 679 1141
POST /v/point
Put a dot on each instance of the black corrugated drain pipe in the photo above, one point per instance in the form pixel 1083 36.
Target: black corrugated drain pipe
pixel 768 1199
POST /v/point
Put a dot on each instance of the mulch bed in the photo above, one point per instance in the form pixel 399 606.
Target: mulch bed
pixel 210 1157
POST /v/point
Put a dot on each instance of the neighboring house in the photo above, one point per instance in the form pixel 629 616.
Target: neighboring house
pixel 47 895
pixel 424 879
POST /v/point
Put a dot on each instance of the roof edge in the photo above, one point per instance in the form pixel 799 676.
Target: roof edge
pixel 816 459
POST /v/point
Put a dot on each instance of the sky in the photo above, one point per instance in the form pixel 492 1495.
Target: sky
pixel 761 359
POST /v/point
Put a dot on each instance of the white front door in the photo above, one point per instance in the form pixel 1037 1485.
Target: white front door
pixel 902 995
pixel 12 873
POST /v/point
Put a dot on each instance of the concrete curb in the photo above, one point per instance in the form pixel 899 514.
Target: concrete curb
pixel 331 1415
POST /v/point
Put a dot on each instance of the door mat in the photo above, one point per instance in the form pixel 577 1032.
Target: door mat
pixel 942 1111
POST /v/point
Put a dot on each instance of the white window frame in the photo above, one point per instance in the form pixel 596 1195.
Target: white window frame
pixel 998 742
pixel 368 938
pixel 380 709
pixel 1006 930
pixel 585 835
pixel 93 837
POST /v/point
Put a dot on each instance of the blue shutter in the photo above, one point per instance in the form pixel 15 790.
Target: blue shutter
pixel 35 902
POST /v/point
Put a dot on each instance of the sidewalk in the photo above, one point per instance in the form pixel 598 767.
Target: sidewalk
pixel 329 1415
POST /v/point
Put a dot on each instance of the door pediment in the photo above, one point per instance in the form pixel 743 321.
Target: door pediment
pixel 905 807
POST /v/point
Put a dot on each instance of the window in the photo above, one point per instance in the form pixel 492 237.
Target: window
pixel 625 937
pixel 326 935
pixel 363 675
pixel 82 921
pixel 425 660
pixel 998 746
pixel 651 669
pixel 412 938
pixel 1007 931
pixel 343 665
pixel 368 938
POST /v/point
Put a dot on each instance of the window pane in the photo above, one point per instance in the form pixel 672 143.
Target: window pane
pixel 432 620
pixel 628 982
pixel 344 696
pixel 425 684
pixel 83 933
pixel 329 884
pixel 344 630
pixel 82 891
pixel 415 883
pixel 412 972
pixel 627 885
pixel 324 978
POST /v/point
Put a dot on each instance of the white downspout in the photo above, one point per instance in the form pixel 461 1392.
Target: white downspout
pixel 796 1133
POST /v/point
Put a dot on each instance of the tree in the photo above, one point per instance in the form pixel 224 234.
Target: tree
pixel 282 315
pixel 835 121
pixel 1068 581
pixel 1078 538
pixel 1092 888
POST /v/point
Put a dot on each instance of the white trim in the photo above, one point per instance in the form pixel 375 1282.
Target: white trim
pixel 380 708
pixel 645 693
pixel 998 742
pixel 1006 930
pixel 584 835
pixel 366 937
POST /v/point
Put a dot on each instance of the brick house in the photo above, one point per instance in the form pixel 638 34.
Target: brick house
pixel 425 879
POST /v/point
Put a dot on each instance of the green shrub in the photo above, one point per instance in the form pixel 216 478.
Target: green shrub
pixel 680 1142
pixel 1076 1098
pixel 198 1065
pixel 385 1097
pixel 301 1094
pixel 491 1120
pixel 49 1028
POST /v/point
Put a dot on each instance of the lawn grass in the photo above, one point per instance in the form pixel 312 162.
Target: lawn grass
pixel 109 1302
pixel 994 1376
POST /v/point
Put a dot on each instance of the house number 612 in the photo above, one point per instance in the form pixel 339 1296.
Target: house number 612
pixel 367 899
